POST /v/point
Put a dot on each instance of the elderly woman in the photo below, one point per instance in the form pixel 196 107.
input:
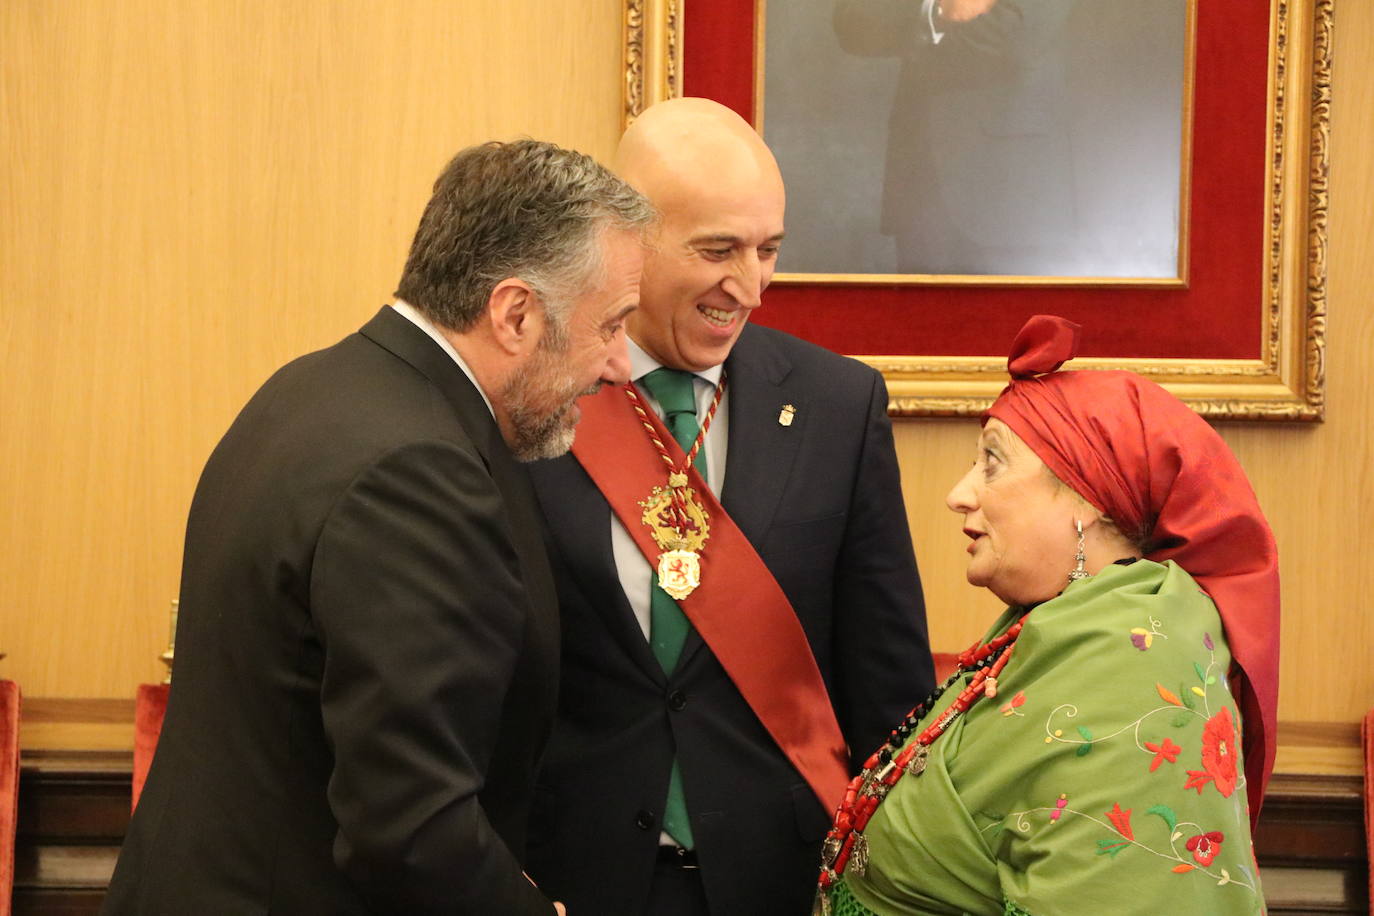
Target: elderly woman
pixel 1086 756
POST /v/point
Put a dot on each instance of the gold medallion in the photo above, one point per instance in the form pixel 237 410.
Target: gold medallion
pixel 679 572
pixel 662 521
pixel 676 519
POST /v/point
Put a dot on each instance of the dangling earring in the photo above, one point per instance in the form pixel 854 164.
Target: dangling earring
pixel 1078 571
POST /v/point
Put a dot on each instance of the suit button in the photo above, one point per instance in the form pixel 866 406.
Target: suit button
pixel 644 820
pixel 677 701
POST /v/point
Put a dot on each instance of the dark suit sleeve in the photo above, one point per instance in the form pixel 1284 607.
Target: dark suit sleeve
pixel 416 594
pixel 882 663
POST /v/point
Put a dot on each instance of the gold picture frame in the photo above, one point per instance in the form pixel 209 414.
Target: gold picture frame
pixel 1284 382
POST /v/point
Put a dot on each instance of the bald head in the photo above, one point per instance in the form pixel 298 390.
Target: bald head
pixel 688 141
pixel 720 196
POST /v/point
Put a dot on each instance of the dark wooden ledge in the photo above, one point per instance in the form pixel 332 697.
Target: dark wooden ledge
pixel 74 809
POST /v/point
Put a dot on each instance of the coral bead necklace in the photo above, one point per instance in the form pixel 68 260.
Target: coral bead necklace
pixel 845 845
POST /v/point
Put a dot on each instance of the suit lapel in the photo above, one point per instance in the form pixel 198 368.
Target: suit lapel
pixel 762 450
pixel 393 332
pixel 579 524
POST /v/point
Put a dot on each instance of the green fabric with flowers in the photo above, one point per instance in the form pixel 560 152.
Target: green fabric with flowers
pixel 1104 777
pixel 1011 909
pixel 842 903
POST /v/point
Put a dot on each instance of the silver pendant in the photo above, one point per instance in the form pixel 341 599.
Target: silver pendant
pixel 830 851
pixel 858 855
pixel 917 764
pixel 875 784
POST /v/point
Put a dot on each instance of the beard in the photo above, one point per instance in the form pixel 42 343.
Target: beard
pixel 539 399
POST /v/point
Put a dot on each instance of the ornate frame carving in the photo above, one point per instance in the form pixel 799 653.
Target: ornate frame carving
pixel 1287 381
pixel 653 54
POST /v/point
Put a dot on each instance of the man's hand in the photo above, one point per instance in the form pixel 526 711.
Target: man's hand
pixel 558 908
pixel 962 10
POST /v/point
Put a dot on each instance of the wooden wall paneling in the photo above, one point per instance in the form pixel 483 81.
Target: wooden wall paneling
pixel 74 810
pixel 1310 845
pixel 1319 487
pixel 193 193
pixel 190 195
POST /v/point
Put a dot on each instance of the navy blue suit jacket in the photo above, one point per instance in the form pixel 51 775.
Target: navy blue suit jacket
pixel 821 502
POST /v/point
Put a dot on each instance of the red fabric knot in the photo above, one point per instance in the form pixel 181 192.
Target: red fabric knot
pixel 1044 343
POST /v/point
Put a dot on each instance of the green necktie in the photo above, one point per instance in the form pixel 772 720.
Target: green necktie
pixel 668 626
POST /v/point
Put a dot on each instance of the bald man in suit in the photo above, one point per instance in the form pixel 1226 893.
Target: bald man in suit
pixel 703 739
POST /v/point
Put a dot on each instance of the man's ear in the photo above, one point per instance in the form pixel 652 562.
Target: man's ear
pixel 516 315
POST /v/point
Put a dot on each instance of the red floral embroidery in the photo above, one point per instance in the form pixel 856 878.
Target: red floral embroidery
pixel 1218 756
pixel 1205 847
pixel 1165 750
pixel 1121 820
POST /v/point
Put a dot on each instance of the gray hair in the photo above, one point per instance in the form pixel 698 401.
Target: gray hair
pixel 526 209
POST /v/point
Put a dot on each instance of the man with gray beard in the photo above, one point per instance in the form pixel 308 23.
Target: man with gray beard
pixel 367 650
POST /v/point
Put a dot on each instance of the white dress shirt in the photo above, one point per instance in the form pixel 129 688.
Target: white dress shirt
pixel 414 316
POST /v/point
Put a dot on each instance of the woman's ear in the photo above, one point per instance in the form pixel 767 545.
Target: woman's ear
pixel 1102 529
pixel 1089 516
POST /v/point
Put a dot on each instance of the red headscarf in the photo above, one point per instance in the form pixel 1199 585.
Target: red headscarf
pixel 1142 457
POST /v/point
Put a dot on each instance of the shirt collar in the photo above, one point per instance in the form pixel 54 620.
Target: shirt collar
pixel 415 317
pixel 641 364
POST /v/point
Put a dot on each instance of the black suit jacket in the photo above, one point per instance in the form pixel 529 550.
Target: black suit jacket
pixel 821 502
pixel 366 654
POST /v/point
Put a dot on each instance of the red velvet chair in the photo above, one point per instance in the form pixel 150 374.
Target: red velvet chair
pixel 9 788
pixel 150 706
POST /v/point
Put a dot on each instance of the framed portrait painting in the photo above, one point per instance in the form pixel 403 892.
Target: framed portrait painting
pixel 1152 169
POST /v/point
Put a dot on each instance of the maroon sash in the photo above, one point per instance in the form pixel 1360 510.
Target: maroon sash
pixel 739 609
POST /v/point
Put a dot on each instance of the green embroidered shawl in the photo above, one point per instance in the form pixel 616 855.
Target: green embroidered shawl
pixel 1104 777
